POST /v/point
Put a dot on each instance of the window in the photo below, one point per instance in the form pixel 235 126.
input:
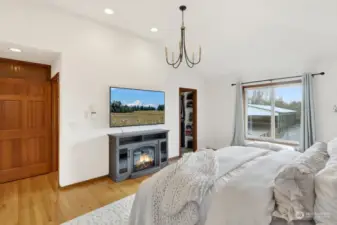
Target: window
pixel 273 112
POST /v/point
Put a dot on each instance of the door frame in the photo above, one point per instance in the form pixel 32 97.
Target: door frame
pixel 195 118
pixel 55 117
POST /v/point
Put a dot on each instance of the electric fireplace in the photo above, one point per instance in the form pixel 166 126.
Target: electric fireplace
pixel 135 154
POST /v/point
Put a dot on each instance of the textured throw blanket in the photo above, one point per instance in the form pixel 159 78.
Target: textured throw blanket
pixel 178 192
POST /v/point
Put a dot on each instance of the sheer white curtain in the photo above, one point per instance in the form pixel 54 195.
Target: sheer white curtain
pixel 239 125
pixel 308 129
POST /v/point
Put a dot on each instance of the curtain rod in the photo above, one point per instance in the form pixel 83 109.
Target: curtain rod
pixel 282 78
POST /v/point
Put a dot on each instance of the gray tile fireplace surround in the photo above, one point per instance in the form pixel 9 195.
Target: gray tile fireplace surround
pixel 127 149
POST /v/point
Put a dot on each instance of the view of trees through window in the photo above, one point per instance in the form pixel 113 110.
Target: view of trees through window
pixel 274 112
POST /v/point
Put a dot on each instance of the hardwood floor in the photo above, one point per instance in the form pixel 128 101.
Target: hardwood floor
pixel 38 200
pixel 29 201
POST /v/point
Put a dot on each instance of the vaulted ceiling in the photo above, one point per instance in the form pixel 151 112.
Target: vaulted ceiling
pixel 237 36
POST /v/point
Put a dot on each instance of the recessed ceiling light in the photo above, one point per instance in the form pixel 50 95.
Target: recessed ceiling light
pixel 154 29
pixel 15 50
pixel 109 11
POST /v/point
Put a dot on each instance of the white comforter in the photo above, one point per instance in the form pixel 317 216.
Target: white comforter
pixel 247 197
pixel 242 194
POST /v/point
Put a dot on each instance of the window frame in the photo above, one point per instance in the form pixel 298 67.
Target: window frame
pixel 245 106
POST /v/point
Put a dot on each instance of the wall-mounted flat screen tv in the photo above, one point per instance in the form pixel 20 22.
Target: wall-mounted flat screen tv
pixel 133 107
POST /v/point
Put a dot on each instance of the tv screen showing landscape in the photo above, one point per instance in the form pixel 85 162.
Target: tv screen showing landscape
pixel 132 107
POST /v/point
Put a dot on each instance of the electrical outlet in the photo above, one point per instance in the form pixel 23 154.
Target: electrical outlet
pixel 335 108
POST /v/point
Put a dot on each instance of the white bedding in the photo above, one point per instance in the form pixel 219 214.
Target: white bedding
pixel 245 181
pixel 247 198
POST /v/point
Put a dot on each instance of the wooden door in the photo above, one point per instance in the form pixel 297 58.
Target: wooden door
pixel 25 120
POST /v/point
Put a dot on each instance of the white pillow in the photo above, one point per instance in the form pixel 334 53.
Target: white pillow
pixel 332 147
pixel 326 190
pixel 294 185
pixel 268 145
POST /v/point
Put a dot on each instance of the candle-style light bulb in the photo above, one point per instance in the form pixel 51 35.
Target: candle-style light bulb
pixel 166 54
pixel 199 53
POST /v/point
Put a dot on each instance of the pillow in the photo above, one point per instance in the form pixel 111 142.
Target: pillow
pixel 294 185
pixel 268 145
pixel 326 190
pixel 332 147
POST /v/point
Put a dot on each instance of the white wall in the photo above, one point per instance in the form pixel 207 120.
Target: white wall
pixel 221 98
pixel 56 66
pixel 95 57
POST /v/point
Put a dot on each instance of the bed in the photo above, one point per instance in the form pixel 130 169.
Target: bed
pixel 240 193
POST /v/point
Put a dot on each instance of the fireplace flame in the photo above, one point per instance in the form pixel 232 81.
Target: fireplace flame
pixel 144 160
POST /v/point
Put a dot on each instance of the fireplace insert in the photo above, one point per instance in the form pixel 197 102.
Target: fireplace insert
pixel 143 158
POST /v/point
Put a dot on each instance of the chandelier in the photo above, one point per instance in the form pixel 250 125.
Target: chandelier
pixel 182 49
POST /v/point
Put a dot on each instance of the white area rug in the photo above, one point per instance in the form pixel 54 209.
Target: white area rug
pixel 116 213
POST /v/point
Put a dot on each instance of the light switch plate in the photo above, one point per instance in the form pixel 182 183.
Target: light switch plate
pixel 86 114
pixel 93 115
